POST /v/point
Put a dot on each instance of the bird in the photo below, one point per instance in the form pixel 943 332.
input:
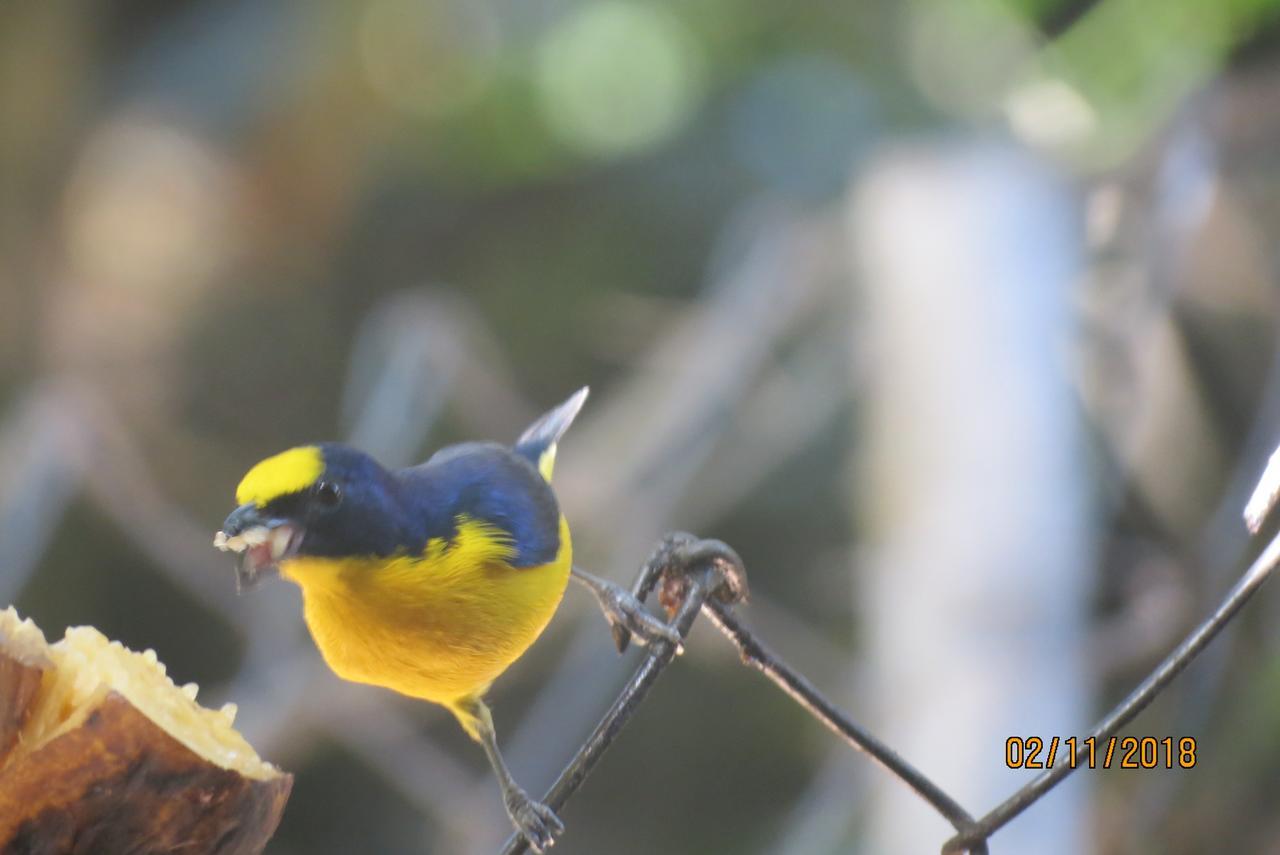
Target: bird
pixel 429 580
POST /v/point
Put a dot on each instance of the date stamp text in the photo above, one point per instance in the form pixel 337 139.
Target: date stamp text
pixel 1118 752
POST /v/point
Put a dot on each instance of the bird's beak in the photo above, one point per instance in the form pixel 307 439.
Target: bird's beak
pixel 262 542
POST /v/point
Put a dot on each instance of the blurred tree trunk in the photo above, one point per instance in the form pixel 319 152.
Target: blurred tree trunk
pixel 971 483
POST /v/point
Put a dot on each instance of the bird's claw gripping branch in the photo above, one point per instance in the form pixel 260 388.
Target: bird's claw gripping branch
pixel 668 570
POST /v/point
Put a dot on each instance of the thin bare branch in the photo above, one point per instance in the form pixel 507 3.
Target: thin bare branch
pixel 1129 708
pixel 706 575
pixel 757 655
pixel 701 583
pixel 1264 495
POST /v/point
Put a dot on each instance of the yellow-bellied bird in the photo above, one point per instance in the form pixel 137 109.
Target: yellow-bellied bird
pixel 429 580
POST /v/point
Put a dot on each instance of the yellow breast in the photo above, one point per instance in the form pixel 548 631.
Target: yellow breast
pixel 440 626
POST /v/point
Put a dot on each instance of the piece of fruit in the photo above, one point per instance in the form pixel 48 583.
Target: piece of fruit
pixel 101 753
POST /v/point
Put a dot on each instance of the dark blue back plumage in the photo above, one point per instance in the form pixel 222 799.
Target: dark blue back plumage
pixel 489 482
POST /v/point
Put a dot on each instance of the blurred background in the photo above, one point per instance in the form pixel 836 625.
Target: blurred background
pixel 956 319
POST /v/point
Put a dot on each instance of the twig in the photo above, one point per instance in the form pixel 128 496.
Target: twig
pixel 701 584
pixel 758 656
pixel 707 576
pixel 1129 708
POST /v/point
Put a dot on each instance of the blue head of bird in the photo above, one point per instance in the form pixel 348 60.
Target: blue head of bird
pixel 325 501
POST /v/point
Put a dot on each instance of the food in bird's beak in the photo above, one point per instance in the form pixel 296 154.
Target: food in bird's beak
pixel 100 748
pixel 261 548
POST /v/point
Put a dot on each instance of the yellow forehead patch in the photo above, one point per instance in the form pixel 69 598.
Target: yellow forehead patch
pixel 285 473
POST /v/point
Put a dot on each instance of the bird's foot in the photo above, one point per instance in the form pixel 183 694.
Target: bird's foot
pixel 625 612
pixel 668 568
pixel 536 822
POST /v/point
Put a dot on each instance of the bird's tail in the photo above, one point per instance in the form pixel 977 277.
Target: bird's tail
pixel 538 443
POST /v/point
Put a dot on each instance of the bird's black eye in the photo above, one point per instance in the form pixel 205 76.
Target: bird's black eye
pixel 328 494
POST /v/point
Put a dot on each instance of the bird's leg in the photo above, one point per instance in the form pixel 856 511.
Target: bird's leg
pixel 622 608
pixel 535 821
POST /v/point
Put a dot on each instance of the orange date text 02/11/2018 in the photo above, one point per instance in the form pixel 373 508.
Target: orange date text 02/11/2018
pixel 1118 752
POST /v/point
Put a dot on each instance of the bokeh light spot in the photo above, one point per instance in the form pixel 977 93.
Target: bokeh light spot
pixel 1050 113
pixel 963 55
pixel 150 206
pixel 618 77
